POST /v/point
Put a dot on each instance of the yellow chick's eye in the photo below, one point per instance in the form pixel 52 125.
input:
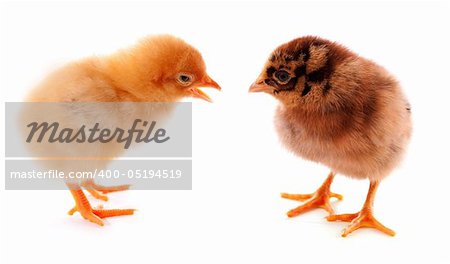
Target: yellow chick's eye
pixel 184 79
pixel 282 76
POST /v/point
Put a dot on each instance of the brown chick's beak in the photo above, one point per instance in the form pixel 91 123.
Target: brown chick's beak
pixel 206 82
pixel 260 87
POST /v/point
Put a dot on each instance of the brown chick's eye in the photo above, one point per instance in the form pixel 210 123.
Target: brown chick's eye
pixel 282 76
pixel 184 79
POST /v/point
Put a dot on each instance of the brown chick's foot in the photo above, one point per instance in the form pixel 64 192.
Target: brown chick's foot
pixel 359 220
pixel 304 197
pixel 319 199
pixel 364 218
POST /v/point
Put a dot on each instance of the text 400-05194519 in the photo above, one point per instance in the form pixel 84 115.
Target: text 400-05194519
pixel 151 174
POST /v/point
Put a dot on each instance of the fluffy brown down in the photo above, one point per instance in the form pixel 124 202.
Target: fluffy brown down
pixel 338 108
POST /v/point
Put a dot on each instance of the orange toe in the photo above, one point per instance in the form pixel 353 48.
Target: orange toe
pixel 94 215
pixel 97 195
pixel 103 213
pixel 83 206
pixel 342 217
pixel 363 219
pixel 91 185
pixel 319 199
pixel 296 197
pixel 111 189
pixel 304 197
pixel 88 215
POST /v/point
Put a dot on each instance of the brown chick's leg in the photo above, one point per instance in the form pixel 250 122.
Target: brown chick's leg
pixel 364 218
pixel 319 199
pixel 90 184
pixel 83 206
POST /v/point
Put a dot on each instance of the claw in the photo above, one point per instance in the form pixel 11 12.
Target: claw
pixel 363 218
pixel 104 213
pixel 296 197
pixel 97 195
pixel 319 199
pixel 360 220
pixel 112 212
pixel 111 189
pixel 83 206
pixel 88 215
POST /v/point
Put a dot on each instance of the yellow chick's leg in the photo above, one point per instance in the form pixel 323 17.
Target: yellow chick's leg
pixel 97 195
pixel 83 206
pixel 319 199
pixel 363 218
pixel 90 184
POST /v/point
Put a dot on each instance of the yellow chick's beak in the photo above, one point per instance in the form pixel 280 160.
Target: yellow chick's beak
pixel 205 82
pixel 257 87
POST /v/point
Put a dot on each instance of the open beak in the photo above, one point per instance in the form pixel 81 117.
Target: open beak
pixel 257 87
pixel 205 82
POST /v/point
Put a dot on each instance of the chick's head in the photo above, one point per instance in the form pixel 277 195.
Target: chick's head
pixel 170 65
pixel 298 73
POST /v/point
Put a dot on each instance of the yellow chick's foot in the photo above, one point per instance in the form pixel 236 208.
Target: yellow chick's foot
pixel 95 216
pixel 83 206
pixel 110 189
pixel 104 213
pixel 97 195
pixel 364 218
pixel 88 215
pixel 90 184
pixel 319 199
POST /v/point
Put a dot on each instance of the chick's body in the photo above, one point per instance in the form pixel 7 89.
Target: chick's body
pixel 158 69
pixel 341 110
pixel 365 137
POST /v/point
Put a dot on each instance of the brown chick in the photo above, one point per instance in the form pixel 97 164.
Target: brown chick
pixel 341 110
pixel 158 69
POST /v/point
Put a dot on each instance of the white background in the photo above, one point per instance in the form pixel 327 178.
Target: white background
pixel 234 213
